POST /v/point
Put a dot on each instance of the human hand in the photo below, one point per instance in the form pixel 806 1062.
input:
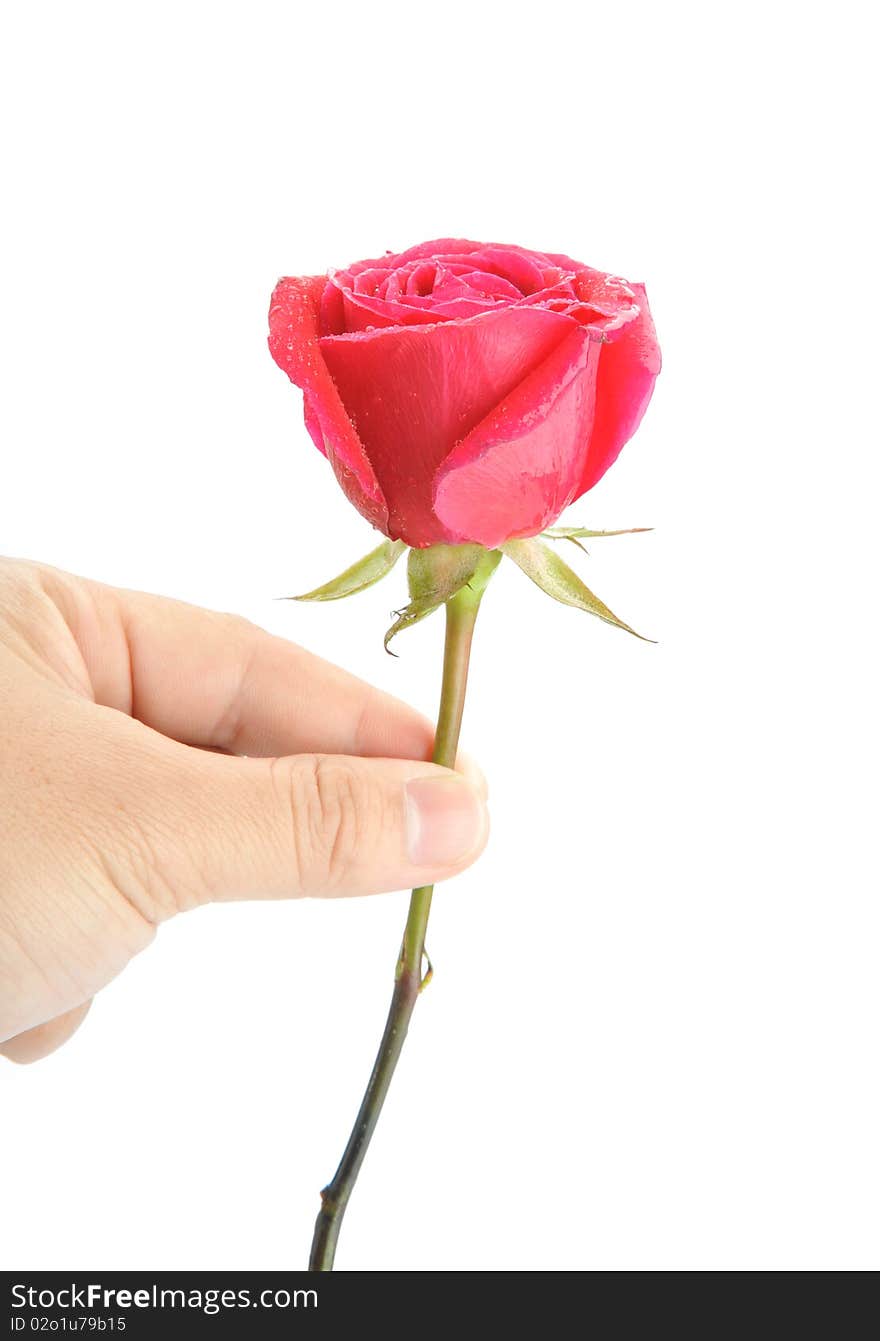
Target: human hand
pixel 124 798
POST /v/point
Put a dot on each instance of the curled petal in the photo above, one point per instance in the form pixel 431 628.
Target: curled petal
pixel 413 392
pixel 447 279
pixel 441 246
pixel 522 465
pixel 313 423
pixel 628 368
pixel 293 341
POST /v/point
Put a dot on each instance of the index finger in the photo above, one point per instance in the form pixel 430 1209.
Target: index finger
pixel 215 680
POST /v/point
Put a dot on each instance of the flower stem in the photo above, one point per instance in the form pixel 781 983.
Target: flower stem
pixel 461 614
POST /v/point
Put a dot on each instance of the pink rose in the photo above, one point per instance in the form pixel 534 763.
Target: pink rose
pixel 466 391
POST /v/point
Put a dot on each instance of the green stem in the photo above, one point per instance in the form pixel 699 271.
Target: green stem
pixel 461 614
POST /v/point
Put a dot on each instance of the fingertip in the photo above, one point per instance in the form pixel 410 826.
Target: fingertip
pixel 35 1044
pixel 446 822
pixel 467 765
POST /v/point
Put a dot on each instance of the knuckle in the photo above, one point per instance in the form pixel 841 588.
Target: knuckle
pixel 332 810
pixel 24 575
pixel 35 587
pixel 39 609
pixel 240 629
pixel 141 870
pixel 145 844
pixel 24 597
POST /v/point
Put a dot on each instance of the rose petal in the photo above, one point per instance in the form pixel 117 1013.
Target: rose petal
pixel 366 313
pixel 294 344
pixel 522 268
pixel 520 468
pixel 313 423
pixel 393 289
pixel 331 320
pixel 440 247
pixel 628 368
pixel 413 392
pixel 494 285
pixel 565 262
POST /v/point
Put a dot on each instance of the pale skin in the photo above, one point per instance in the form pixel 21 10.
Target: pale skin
pixel 125 796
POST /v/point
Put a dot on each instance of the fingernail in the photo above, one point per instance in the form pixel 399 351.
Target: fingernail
pixel 445 818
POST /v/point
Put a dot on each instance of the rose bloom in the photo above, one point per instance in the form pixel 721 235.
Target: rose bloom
pixel 466 391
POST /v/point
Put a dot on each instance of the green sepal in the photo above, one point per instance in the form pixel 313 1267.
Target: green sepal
pixel 438 573
pixel 368 570
pixel 553 575
pixel 581 532
pixel 578 533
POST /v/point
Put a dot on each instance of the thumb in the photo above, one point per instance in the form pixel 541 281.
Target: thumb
pixel 315 824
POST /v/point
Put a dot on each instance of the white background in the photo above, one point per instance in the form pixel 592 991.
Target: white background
pixel 651 1041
